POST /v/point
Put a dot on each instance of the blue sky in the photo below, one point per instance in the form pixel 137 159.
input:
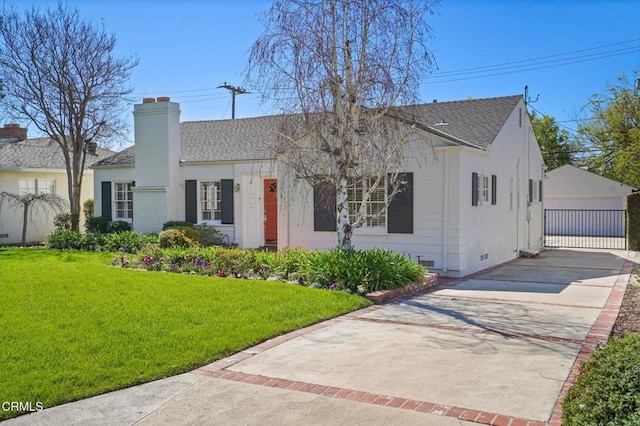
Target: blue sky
pixel 565 51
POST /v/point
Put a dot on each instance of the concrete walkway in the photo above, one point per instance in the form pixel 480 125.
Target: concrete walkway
pixel 499 347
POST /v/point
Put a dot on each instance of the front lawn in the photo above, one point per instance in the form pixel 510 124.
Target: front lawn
pixel 72 326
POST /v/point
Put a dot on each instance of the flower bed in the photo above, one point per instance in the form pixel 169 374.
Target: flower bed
pixel 352 271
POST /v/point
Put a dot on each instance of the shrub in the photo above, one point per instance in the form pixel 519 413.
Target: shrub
pixel 62 221
pixel 633 221
pixel 175 237
pixel 607 391
pixel 130 242
pixel 238 262
pixel 63 239
pixel 88 208
pixel 361 271
pixel 177 223
pixel 118 226
pixel 209 236
pixel 97 224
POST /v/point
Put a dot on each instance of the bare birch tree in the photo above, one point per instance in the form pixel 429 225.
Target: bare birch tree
pixel 341 66
pixel 59 73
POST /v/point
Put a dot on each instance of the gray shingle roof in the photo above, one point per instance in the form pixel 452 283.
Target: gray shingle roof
pixel 471 122
pixel 474 122
pixel 40 153
pixel 125 157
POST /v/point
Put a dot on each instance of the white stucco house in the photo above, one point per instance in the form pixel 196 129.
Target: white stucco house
pixel 34 165
pixel 473 200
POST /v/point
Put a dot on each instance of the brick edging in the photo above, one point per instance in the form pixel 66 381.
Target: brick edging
pixel 428 281
pixel 599 333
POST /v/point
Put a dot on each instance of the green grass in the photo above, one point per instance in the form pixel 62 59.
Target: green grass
pixel 71 326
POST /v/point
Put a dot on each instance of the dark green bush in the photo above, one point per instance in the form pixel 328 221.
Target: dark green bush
pixel 633 221
pixel 118 226
pixel 175 237
pixel 607 391
pixel 209 236
pixel 62 239
pixel 177 223
pixel 130 242
pixel 62 221
pixel 97 224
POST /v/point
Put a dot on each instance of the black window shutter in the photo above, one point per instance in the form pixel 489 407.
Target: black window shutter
pixel 400 211
pixel 191 201
pixel 494 189
pixel 474 189
pixel 106 200
pixel 226 192
pixel 324 207
pixel 540 190
pixel 530 190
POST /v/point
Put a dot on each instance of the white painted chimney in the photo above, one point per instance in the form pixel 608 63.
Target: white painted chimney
pixel 157 164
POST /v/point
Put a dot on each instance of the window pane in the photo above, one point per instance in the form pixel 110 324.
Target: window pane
pixel 123 199
pixel 210 200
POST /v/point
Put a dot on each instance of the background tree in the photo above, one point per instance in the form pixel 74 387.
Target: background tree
pixel 33 203
pixel 555 143
pixel 59 73
pixel 612 132
pixel 340 66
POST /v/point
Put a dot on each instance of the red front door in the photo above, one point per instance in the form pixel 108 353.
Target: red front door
pixel 271 211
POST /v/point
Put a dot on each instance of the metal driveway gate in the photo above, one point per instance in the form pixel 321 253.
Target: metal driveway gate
pixel 605 229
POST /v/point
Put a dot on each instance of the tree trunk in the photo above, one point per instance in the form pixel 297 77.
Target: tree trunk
pixel 25 215
pixel 344 226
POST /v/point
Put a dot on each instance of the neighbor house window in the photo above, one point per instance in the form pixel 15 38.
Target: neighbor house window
pixel 375 206
pixel 123 201
pixel 37 186
pixel 211 200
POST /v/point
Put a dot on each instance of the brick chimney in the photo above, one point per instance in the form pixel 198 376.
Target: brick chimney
pixel 13 131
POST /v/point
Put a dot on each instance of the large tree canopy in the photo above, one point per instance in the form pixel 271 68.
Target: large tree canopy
pixel 556 144
pixel 340 66
pixel 612 133
pixel 60 75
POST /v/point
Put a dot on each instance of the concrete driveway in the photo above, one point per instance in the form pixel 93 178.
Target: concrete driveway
pixel 499 347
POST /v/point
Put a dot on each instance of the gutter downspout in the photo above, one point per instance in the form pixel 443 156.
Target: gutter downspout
pixel 517 207
pixel 445 215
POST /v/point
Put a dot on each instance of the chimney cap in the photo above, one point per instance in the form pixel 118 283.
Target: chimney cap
pixel 148 100
pixel 163 99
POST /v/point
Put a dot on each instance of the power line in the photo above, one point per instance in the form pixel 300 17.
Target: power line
pixel 487 68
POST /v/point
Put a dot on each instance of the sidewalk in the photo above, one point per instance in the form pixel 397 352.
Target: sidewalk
pixel 499 347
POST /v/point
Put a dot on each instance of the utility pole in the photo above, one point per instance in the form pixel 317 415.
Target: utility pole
pixel 234 90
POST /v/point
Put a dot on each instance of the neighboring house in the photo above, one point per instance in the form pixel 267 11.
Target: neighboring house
pixel 580 202
pixel 473 200
pixel 34 166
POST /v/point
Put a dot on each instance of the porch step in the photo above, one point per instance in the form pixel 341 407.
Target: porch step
pixel 529 252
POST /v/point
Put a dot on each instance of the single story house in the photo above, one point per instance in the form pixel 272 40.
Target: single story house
pixel 474 172
pixel 580 202
pixel 34 166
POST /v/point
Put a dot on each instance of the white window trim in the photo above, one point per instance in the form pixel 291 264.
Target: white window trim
pixel 38 183
pixel 218 183
pixel 484 189
pixel 366 228
pixel 115 201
